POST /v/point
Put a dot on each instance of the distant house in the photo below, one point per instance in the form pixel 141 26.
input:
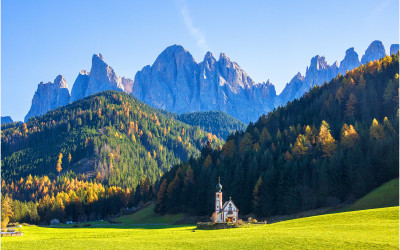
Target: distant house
pixel 227 212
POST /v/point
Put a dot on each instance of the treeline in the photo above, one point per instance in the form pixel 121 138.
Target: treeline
pixel 335 144
pixel 39 200
pixel 110 134
pixel 215 122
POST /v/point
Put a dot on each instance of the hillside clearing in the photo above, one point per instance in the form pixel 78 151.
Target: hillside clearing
pixel 387 195
pixel 148 216
pixel 375 228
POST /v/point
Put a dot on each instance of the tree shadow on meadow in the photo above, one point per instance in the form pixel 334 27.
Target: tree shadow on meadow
pixel 148 226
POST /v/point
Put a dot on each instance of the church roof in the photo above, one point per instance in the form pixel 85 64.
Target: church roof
pixel 226 204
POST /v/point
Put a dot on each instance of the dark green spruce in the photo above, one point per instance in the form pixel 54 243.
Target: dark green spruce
pixel 215 122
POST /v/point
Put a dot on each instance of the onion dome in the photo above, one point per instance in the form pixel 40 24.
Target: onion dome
pixel 219 186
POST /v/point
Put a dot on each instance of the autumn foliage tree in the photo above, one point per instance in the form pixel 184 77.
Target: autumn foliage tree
pixel 300 146
pixel 376 130
pixel 326 141
pixel 6 211
pixel 59 162
pixel 349 136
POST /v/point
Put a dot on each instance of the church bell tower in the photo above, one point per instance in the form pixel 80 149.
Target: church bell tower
pixel 218 201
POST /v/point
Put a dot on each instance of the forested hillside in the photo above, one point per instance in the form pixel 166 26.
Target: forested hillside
pixel 110 136
pixel 215 122
pixel 337 143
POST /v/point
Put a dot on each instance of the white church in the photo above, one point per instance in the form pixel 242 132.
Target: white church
pixel 227 212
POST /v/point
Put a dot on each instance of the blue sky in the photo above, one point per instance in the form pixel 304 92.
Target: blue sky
pixel 268 39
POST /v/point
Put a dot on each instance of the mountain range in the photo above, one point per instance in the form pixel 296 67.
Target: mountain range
pixel 177 83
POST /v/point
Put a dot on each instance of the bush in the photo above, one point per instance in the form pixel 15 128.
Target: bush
pixel 239 223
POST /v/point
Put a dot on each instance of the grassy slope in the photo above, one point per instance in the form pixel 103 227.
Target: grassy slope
pixel 386 195
pixel 147 216
pixel 376 228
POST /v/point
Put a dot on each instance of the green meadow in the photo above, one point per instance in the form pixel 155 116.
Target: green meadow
pixel 374 228
pixel 148 216
pixel 387 195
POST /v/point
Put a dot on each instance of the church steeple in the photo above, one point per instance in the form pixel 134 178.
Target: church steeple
pixel 218 202
pixel 219 186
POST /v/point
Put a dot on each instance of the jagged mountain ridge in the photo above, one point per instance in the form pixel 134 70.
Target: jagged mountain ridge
pixel 320 71
pixel 49 96
pixel 177 83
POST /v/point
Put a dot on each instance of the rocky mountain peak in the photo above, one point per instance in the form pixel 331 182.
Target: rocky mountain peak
pixel 98 56
pixel 223 59
pixel 102 77
pixel 174 56
pixel 98 61
pixel 318 62
pixel 394 48
pixel 84 72
pixel 209 61
pixel 80 86
pixel 298 76
pixel 174 51
pixel 375 51
pixel 6 119
pixel 350 53
pixel 335 64
pixel 208 55
pixel 349 62
pixel 60 82
pixel 49 96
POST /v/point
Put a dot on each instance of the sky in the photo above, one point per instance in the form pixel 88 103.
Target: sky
pixel 270 40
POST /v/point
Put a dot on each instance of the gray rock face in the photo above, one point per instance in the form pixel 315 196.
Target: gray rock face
pixel 317 73
pixel 291 89
pixel 375 51
pixel 177 83
pixel 6 119
pixel 102 77
pixel 49 96
pixel 394 48
pixel 349 62
pixel 128 84
pixel 80 86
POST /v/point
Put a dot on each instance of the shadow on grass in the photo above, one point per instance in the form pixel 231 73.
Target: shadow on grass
pixel 116 226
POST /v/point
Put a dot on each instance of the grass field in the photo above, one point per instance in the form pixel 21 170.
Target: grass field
pixel 386 195
pixel 375 228
pixel 147 216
